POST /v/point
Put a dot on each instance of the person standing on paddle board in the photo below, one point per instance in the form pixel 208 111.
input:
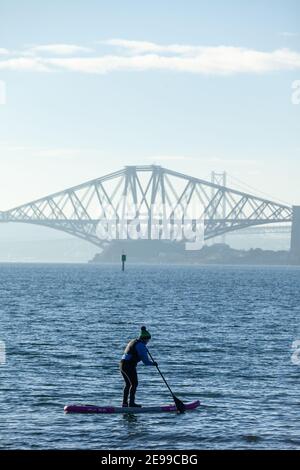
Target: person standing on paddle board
pixel 135 352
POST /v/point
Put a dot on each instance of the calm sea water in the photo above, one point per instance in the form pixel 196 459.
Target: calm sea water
pixel 220 334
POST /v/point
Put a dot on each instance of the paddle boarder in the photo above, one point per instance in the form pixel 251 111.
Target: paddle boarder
pixel 135 352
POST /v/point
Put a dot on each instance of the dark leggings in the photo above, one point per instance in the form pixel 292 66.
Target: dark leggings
pixel 129 374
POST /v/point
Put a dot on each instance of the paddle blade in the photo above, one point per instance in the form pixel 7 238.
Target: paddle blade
pixel 179 404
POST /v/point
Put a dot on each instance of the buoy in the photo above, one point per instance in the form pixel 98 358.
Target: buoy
pixel 123 261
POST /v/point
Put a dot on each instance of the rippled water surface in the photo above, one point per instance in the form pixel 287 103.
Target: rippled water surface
pixel 220 334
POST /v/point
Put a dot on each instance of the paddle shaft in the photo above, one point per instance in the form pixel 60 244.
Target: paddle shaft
pixel 161 374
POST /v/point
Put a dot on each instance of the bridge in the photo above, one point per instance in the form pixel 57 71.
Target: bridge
pixel 78 210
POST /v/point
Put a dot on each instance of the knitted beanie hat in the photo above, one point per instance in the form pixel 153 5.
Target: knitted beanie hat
pixel 144 333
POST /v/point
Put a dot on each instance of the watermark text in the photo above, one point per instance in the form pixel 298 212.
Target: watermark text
pixel 2 353
pixel 295 358
pixel 160 222
pixel 296 92
pixel 2 92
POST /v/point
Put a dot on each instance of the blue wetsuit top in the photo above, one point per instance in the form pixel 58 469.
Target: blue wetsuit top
pixel 141 349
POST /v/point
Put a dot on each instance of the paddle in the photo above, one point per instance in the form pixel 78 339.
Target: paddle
pixel 179 404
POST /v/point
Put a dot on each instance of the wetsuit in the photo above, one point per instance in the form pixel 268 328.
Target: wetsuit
pixel 135 352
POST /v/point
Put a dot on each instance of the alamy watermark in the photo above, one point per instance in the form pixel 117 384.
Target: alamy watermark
pixel 2 353
pixel 159 222
pixel 296 92
pixel 2 92
pixel 295 358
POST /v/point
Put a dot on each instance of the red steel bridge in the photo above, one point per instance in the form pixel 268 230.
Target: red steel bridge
pixel 78 210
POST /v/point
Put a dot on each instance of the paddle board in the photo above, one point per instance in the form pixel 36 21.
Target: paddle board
pixel 80 408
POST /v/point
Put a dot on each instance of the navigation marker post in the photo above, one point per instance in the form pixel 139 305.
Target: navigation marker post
pixel 123 258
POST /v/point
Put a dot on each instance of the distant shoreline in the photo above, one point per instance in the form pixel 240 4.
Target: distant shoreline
pixel 142 263
pixel 174 253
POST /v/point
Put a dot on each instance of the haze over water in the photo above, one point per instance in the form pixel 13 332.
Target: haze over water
pixel 220 334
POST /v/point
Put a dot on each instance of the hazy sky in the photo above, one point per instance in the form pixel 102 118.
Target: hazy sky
pixel 192 85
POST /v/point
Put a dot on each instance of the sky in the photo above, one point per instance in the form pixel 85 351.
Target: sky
pixel 195 86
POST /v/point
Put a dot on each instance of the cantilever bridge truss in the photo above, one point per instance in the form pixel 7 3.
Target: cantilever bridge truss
pixel 79 209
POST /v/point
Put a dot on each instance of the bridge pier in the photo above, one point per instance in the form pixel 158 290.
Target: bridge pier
pixel 295 237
